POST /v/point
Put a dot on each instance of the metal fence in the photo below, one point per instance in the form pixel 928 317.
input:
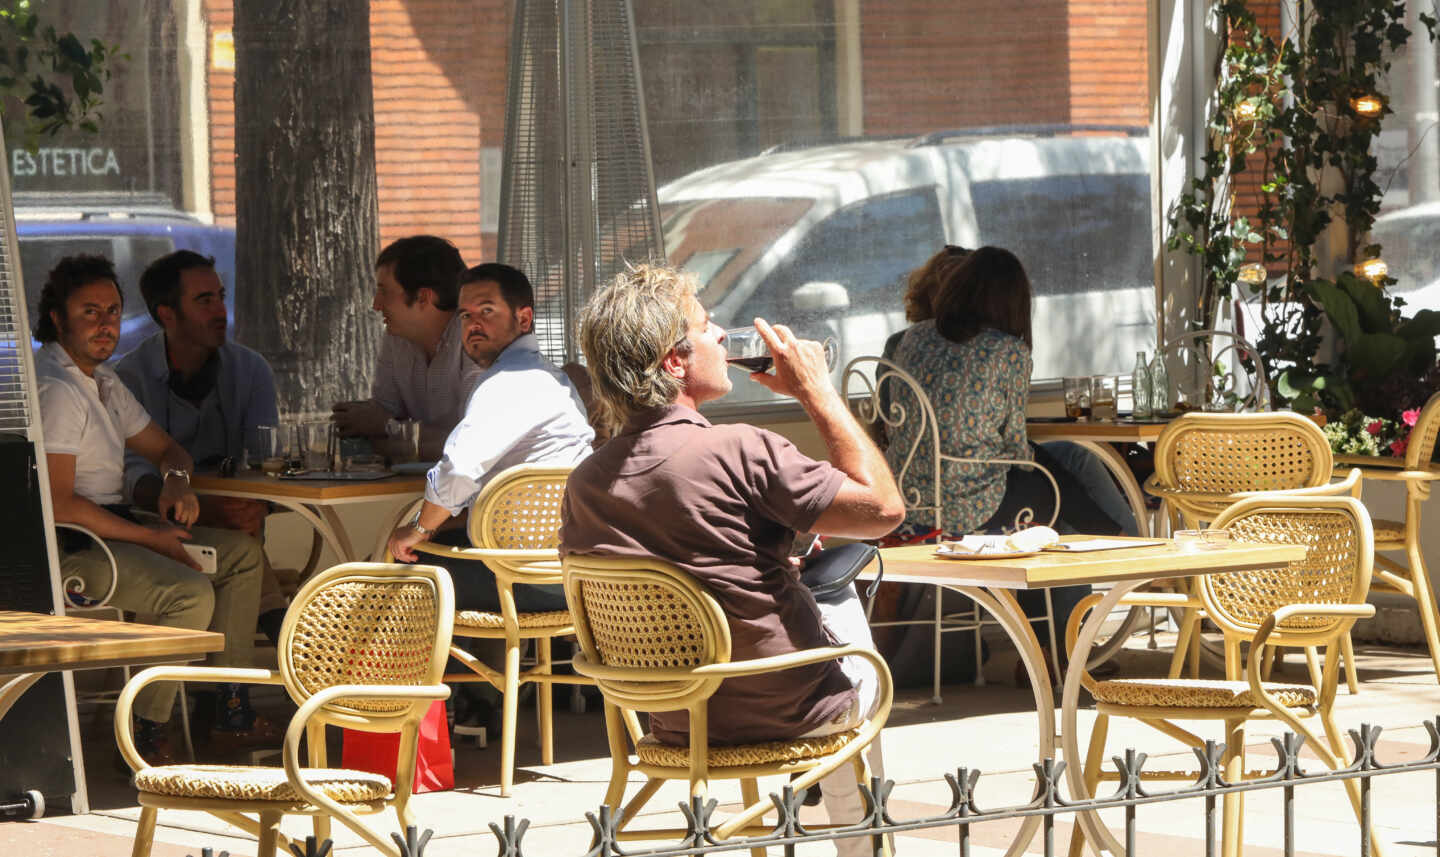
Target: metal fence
pixel 964 811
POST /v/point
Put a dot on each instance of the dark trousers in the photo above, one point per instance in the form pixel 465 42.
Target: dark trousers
pixel 475 587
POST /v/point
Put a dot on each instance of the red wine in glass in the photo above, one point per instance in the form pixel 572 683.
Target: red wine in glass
pixel 752 364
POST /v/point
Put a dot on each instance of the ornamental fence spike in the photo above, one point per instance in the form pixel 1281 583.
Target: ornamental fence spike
pixel 1366 738
pixel 413 844
pixel 312 848
pixel 510 835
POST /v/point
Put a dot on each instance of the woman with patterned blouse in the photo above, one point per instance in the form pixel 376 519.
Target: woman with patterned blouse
pixel 973 362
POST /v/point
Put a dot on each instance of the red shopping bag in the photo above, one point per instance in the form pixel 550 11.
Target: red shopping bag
pixel 376 752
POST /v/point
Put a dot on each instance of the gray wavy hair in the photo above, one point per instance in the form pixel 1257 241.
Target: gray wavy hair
pixel 626 329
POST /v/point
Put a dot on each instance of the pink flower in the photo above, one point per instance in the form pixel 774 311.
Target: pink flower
pixel 1397 447
pixel 1374 428
pixel 1410 417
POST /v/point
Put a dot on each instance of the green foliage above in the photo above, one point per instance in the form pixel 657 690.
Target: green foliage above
pixel 1283 112
pixel 53 77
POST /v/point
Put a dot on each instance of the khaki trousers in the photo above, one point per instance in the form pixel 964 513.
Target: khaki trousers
pixel 164 592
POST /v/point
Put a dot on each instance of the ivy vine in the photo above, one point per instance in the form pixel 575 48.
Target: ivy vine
pixel 1301 115
pixel 56 79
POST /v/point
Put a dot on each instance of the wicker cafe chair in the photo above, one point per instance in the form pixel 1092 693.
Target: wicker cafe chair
pixel 1205 462
pixel 1312 602
pixel 655 640
pixel 1411 579
pixel 363 646
pixel 514 526
pixel 885 397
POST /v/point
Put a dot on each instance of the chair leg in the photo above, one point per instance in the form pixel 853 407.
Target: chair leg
pixel 750 795
pixel 185 723
pixel 144 832
pixel 510 704
pixel 1093 756
pixel 935 640
pixel 543 698
pixel 1312 662
pixel 1334 756
pixel 269 834
pixel 316 756
pixel 1425 600
pixel 1054 646
pixel 1183 641
pixel 1233 803
pixel 1352 677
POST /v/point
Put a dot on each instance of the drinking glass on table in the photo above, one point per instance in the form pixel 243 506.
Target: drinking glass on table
pixel 1102 397
pixel 404 440
pixel 745 349
pixel 317 444
pixel 1077 397
pixel 270 447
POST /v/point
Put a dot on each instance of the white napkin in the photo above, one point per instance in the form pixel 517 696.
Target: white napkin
pixel 1024 541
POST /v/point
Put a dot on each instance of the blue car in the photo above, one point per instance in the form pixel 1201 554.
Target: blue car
pixel 129 231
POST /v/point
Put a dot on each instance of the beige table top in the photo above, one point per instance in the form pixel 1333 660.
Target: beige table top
pixel 919 564
pixel 38 642
pixel 1119 431
pixel 261 487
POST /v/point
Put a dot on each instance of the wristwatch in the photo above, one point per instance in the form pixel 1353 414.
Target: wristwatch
pixel 180 472
pixel 420 528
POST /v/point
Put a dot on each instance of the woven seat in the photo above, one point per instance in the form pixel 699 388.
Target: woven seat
pixel 363 646
pixel 654 639
pixel 652 752
pixel 1388 532
pixel 1197 693
pixel 482 619
pixel 234 782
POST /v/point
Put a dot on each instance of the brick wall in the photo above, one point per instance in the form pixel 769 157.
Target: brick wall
pixel 929 64
pixel 439 76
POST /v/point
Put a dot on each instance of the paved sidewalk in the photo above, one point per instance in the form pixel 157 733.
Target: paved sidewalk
pixel 991 729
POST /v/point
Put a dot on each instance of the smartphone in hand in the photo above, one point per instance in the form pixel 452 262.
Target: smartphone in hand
pixel 204 555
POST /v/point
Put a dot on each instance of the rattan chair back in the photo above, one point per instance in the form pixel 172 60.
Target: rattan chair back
pixel 642 614
pixel 1336 568
pixel 1202 460
pixel 368 624
pixel 520 508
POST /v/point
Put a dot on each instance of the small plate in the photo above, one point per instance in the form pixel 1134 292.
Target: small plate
pixel 944 551
pixel 413 468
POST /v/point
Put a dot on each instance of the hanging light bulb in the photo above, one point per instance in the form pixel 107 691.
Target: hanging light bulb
pixel 1367 106
pixel 1253 273
pixel 1246 111
pixel 1373 270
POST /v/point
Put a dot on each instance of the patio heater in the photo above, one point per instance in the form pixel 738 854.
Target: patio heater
pixel 577 191
pixel 41 751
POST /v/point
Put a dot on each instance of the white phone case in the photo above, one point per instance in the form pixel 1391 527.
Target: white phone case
pixel 204 555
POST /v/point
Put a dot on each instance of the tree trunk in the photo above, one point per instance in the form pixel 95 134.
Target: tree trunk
pixel 306 211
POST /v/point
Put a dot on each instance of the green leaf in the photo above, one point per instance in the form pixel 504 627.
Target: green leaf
pixel 1373 356
pixel 1425 325
pixel 1338 306
pixel 1370 301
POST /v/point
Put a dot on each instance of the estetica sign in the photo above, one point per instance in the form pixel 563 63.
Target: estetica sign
pixel 63 162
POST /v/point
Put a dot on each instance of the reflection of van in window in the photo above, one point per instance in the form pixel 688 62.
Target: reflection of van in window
pixel 823 237
pixel 1409 242
pixel 131 232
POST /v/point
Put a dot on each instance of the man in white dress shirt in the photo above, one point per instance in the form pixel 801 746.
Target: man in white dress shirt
pixel 422 372
pixel 523 411
pixel 90 419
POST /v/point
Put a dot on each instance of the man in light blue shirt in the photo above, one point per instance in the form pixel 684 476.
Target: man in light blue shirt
pixel 523 411
pixel 210 394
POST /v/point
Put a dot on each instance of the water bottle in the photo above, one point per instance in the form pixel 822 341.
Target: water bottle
pixel 1159 386
pixel 1140 388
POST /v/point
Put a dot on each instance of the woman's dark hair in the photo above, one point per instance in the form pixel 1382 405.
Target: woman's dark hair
pixel 924 282
pixel 989 290
pixel 69 275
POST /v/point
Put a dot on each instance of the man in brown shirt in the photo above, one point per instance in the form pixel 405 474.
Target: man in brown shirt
pixel 724 503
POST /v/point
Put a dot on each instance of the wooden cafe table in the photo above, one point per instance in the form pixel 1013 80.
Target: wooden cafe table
pixel 1099 437
pixel 316 501
pixel 993 582
pixel 32 644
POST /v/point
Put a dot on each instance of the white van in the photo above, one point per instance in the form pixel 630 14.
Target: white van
pixel 823 237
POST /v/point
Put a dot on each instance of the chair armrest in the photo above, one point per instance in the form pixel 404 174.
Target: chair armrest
pixel 1349 485
pixel 114 577
pixel 539 561
pixel 124 723
pixel 1289 611
pixel 752 666
pixel 290 755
